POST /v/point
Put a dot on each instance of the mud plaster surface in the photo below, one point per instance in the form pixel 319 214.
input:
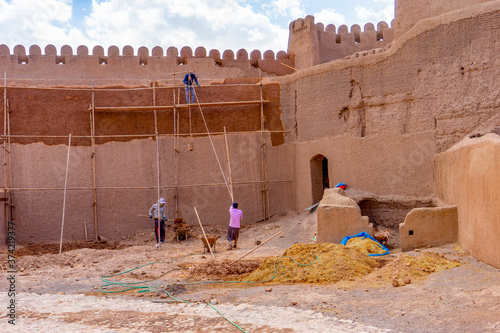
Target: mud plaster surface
pixel 58 293
pixel 42 112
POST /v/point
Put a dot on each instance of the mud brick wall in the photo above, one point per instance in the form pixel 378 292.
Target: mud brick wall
pixel 126 158
pixel 380 118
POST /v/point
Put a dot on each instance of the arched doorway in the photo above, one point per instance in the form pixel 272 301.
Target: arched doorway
pixel 319 177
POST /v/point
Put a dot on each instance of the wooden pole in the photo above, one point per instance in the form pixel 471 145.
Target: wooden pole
pixel 157 165
pixel 255 248
pixel 85 228
pixel 295 69
pixel 204 235
pixel 5 129
pixel 142 215
pixel 6 212
pixel 229 165
pixel 92 140
pixel 9 159
pixel 265 186
pixel 64 200
pixel 176 138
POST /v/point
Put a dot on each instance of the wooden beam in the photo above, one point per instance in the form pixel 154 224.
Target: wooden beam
pixel 169 107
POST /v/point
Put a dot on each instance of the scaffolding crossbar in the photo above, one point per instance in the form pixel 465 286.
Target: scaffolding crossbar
pixel 168 107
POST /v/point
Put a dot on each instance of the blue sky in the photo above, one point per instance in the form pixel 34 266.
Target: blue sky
pixel 213 24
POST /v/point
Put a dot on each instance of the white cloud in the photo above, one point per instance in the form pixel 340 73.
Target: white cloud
pixel 369 15
pixel 211 24
pixel 288 8
pixel 329 16
pixel 28 22
pixel 222 24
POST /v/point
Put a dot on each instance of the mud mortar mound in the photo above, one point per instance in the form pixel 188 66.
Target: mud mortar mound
pixel 314 263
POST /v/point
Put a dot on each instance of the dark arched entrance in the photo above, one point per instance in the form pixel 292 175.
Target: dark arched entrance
pixel 319 176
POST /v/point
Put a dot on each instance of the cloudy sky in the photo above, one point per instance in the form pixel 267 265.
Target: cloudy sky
pixel 213 24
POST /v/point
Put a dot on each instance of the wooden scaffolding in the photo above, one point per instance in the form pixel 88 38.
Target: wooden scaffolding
pixel 176 107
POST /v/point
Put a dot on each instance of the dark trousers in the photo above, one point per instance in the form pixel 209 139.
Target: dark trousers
pixel 162 230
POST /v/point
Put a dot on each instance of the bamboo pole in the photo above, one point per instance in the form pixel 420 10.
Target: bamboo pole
pixel 167 107
pixel 176 192
pixel 157 164
pixel 9 160
pixel 204 235
pixel 85 229
pixel 64 200
pixel 123 89
pixel 177 141
pixel 6 212
pixel 5 137
pixel 255 248
pixel 229 165
pixel 140 187
pixel 295 69
pixel 5 129
pixel 92 140
pixel 264 189
pixel 142 215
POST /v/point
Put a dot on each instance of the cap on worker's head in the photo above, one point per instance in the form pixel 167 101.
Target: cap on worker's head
pixel 162 200
pixel 235 204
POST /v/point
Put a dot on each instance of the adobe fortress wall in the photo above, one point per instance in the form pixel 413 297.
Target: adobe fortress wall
pixel 52 67
pixel 380 117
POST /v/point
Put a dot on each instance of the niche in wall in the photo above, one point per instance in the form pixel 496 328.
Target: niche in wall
pixel 319 177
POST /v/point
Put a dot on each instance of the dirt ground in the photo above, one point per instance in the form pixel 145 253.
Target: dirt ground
pixel 61 292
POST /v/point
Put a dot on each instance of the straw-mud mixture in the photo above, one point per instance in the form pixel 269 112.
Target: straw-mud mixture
pixel 290 284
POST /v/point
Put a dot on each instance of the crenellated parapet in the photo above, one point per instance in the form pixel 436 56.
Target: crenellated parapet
pixel 314 43
pixel 127 63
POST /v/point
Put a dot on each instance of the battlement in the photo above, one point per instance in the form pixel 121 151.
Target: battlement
pixel 314 44
pixel 142 64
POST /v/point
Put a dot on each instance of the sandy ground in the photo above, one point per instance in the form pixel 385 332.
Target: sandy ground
pixel 60 293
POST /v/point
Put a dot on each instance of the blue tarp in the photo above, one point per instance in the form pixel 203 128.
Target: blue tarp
pixel 365 235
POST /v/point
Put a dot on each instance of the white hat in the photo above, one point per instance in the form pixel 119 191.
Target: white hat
pixel 162 200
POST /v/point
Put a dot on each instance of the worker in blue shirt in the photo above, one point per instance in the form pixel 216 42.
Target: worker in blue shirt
pixel 189 79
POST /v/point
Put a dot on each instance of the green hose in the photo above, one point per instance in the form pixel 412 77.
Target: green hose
pixel 143 289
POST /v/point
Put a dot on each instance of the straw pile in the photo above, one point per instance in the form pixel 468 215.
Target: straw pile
pixel 365 245
pixel 336 263
pixel 410 268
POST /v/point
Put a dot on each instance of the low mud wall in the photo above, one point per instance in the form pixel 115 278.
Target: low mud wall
pixel 467 176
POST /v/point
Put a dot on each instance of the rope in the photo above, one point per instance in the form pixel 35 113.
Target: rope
pixel 212 143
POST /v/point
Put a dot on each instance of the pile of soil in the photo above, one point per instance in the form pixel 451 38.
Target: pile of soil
pixel 411 268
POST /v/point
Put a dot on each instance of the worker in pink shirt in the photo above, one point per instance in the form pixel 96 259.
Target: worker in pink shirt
pixel 233 231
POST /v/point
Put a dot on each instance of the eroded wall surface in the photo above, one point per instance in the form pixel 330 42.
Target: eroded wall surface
pixel 380 118
pixel 468 176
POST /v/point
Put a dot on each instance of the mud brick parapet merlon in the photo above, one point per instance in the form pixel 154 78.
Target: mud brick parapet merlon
pixel 314 44
pixel 131 65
